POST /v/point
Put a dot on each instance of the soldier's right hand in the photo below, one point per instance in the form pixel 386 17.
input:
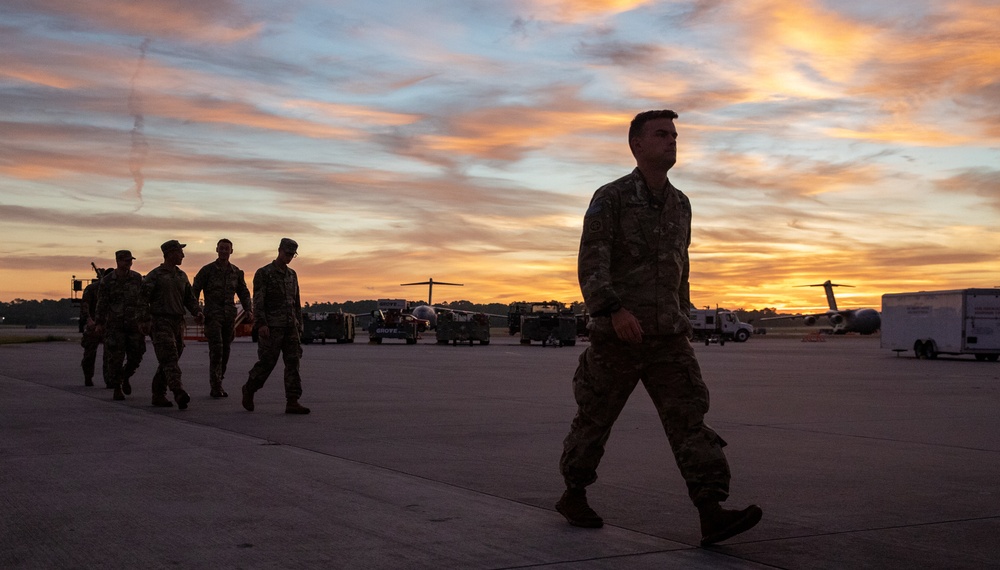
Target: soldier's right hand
pixel 264 332
pixel 626 326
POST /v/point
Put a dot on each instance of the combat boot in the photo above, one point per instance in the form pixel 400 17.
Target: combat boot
pixel 718 524
pixel 161 401
pixel 294 407
pixel 247 399
pixel 118 393
pixel 218 393
pixel 573 505
pixel 88 381
pixel 182 399
pixel 126 387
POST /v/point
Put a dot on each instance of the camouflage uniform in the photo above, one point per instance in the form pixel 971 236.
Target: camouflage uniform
pixel 633 254
pixel 276 305
pixel 90 340
pixel 220 283
pixel 168 292
pixel 121 312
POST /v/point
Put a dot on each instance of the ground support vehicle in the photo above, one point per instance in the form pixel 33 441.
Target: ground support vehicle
pixel 549 323
pixel 961 321
pixel 391 321
pixel 463 327
pixel 328 326
pixel 714 325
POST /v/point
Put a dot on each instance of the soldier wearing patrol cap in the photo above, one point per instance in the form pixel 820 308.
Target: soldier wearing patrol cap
pixel 633 269
pixel 168 292
pixel 277 313
pixel 221 280
pixel 123 319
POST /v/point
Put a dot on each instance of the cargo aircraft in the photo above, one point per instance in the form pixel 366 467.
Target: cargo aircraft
pixel 863 321
pixel 429 312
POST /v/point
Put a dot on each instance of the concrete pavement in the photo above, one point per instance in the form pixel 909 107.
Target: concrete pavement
pixel 434 456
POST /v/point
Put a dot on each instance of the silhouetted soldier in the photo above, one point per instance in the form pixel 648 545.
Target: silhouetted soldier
pixel 90 340
pixel 278 321
pixel 123 320
pixel 633 269
pixel 168 292
pixel 221 280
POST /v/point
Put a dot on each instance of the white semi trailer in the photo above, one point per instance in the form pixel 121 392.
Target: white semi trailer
pixel 962 321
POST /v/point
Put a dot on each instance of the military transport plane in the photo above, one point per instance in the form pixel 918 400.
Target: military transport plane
pixel 863 321
pixel 428 312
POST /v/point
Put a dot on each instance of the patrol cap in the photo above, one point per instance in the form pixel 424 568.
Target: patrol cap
pixel 123 254
pixel 288 244
pixel 172 245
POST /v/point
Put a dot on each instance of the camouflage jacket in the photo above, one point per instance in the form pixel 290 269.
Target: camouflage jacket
pixel 634 254
pixel 168 292
pixel 120 302
pixel 88 302
pixel 276 297
pixel 220 284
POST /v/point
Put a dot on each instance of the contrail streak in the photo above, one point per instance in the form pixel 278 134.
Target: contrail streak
pixel 140 147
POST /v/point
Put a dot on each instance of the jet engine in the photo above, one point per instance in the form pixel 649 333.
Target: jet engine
pixel 810 320
pixel 836 318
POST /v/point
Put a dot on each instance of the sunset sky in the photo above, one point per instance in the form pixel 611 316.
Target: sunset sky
pixel 855 141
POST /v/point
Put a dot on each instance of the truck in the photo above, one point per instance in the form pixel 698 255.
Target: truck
pixel 390 320
pixel 549 323
pixel 455 327
pixel 959 321
pixel 328 326
pixel 717 325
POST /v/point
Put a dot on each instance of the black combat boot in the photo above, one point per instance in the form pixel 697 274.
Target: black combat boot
pixel 88 381
pixel 573 505
pixel 247 399
pixel 718 524
pixel 294 407
pixel 161 401
pixel 118 393
pixel 126 387
pixel 182 399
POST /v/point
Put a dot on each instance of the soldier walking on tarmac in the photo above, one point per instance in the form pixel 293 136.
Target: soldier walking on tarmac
pixel 123 320
pixel 88 325
pixel 278 321
pixel 168 292
pixel 221 280
pixel 633 269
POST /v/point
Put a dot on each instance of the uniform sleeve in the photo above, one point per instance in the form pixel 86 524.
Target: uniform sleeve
pixel 198 285
pixel 190 301
pixel 100 314
pixel 684 291
pixel 242 292
pixel 298 302
pixel 594 261
pixel 259 294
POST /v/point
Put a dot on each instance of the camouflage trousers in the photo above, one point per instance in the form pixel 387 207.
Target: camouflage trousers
pixel 90 342
pixel 283 341
pixel 167 334
pixel 666 365
pixel 219 332
pixel 123 350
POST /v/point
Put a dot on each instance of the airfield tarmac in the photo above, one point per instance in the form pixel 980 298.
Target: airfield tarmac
pixel 433 456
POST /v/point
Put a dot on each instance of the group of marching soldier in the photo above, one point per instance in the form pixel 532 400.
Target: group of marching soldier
pixel 123 307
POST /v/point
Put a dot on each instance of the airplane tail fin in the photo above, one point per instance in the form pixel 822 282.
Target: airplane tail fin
pixel 828 287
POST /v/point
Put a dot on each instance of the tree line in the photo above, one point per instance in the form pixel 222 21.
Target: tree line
pixel 66 311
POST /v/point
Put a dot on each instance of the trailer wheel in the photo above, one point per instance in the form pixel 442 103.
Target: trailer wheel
pixel 918 350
